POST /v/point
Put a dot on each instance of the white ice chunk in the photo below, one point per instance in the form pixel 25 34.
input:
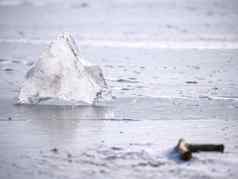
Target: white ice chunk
pixel 61 74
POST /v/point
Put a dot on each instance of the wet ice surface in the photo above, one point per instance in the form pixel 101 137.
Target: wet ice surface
pixel 180 81
pixel 130 72
pixel 63 148
pixel 133 135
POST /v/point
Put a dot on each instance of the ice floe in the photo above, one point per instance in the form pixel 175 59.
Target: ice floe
pixel 62 75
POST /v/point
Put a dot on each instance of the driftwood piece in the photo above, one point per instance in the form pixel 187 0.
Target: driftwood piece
pixel 185 149
pixel 206 147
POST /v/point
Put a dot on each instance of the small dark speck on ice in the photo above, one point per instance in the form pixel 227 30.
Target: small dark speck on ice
pixel 16 61
pixel 8 69
pixel 84 4
pixel 125 89
pixel 55 150
pixel 116 148
pixel 191 82
pixel 2 60
pixel 126 81
pixel 69 155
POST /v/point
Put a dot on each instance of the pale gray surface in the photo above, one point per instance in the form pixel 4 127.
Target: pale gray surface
pixel 133 135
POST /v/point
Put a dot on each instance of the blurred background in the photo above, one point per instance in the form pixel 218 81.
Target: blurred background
pixel 185 23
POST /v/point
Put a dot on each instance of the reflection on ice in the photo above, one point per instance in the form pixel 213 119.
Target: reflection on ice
pixel 53 112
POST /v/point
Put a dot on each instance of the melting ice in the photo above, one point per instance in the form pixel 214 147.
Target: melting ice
pixel 62 75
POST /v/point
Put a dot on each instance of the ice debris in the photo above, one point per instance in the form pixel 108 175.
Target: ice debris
pixel 62 75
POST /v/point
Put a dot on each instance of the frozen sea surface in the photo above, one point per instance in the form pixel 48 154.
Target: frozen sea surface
pixel 172 68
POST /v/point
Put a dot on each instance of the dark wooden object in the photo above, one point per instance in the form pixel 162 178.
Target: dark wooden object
pixel 185 149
